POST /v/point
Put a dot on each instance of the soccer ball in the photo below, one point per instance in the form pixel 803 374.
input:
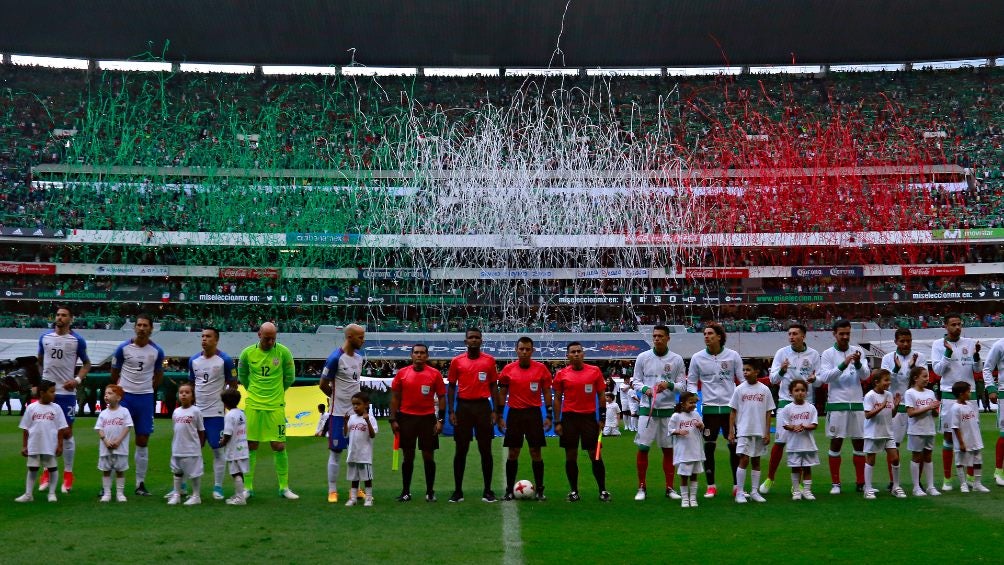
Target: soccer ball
pixel 523 490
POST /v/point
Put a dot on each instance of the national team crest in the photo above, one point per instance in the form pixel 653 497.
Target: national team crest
pixel 667 367
pixel 965 351
pixel 275 361
pixel 725 366
pixel 805 363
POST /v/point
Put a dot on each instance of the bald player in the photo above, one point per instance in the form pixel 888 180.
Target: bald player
pixel 339 381
pixel 266 370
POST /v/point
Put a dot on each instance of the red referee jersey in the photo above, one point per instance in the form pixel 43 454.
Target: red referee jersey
pixel 418 390
pixel 473 377
pixel 526 386
pixel 579 388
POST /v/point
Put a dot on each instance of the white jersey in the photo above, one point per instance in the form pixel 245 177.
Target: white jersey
pixel 966 419
pixel 611 418
pixel 137 366
pixel 187 425
pixel 210 376
pixel 688 448
pixel 901 378
pixel 235 425
pixel 113 423
pixel 994 361
pixel 752 402
pixel 60 354
pixel 844 385
pixel 922 425
pixel 43 423
pixel 651 369
pixel 360 442
pixel 799 414
pixel 958 367
pixel 879 426
pixel 717 374
pixel 801 365
pixel 343 371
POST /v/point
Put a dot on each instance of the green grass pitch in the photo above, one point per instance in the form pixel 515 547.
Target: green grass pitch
pixel 79 529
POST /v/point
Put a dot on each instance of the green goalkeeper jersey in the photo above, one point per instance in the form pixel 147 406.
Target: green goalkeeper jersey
pixel 265 376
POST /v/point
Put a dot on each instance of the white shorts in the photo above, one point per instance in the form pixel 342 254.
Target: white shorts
pixel 650 429
pixel 43 461
pixel 943 426
pixel 189 467
pixel 845 424
pixel 780 435
pixel 238 466
pixel 117 463
pixel 359 471
pixel 968 458
pixel 752 446
pixel 916 444
pixel 879 445
pixel 898 426
pixel 689 469
pixel 803 458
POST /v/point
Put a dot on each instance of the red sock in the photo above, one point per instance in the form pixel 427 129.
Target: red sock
pixel 667 467
pixel 1000 453
pixel 859 469
pixel 835 469
pixel 642 462
pixel 946 463
pixel 969 471
pixel 775 459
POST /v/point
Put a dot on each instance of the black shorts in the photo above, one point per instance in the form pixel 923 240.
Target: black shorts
pixel 524 422
pixel 417 428
pixel 713 423
pixel 579 428
pixel 474 419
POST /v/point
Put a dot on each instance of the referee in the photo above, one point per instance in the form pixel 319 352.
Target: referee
pixel 417 407
pixel 473 381
pixel 522 384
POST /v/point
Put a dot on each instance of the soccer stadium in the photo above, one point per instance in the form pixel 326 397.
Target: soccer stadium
pixel 537 194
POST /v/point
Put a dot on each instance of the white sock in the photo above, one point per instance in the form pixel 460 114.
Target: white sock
pixel 929 473
pixel 177 484
pixel 915 474
pixel 196 486
pixel 52 481
pixel 219 467
pixel 353 493
pixel 333 467
pixel 29 481
pixel 69 450
pixel 741 479
pixel 895 476
pixel 961 472
pixel 869 472
pixel 120 485
pixel 106 485
pixel 239 485
pixel 685 492
pixel 754 479
pixel 977 474
pixel 807 485
pixel 142 462
pixel 795 478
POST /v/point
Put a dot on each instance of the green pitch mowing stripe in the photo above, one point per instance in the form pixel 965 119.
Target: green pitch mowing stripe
pixel 79 529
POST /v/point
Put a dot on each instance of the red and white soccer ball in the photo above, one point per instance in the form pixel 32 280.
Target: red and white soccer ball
pixel 523 490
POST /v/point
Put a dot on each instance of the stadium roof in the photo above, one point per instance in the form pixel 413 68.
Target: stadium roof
pixel 468 33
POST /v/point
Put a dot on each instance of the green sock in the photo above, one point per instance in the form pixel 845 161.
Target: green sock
pixel 282 468
pixel 249 476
